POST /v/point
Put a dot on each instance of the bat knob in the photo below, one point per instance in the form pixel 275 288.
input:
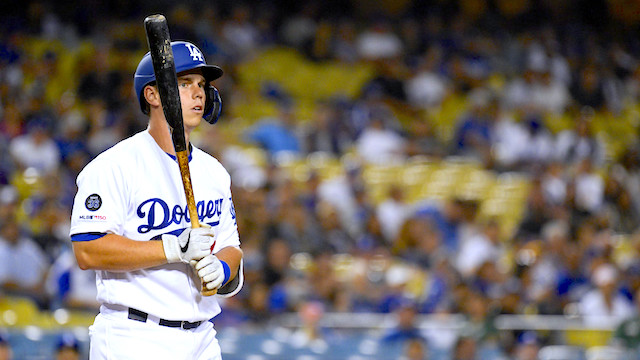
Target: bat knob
pixel 157 18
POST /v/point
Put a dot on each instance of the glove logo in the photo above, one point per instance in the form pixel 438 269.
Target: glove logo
pixel 186 246
pixel 93 202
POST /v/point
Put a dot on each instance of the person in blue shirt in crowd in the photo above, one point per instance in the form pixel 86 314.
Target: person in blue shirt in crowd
pixel 277 134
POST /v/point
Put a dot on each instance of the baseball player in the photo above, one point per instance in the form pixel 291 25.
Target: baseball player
pixel 130 223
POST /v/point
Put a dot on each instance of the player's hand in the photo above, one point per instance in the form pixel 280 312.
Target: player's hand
pixel 212 271
pixel 191 244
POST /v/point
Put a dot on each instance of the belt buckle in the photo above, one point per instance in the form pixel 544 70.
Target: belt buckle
pixel 186 325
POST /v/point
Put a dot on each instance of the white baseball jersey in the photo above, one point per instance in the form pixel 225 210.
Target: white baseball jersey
pixel 134 189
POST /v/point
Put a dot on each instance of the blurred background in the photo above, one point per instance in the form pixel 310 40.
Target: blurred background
pixel 412 179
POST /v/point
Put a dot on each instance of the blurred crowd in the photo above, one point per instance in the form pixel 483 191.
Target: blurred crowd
pixel 519 67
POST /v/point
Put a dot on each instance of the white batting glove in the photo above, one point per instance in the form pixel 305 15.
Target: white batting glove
pixel 191 244
pixel 212 271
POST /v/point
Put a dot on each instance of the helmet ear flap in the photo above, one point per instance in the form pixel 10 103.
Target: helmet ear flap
pixel 213 105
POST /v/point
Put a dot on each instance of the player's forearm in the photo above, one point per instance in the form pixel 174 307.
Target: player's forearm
pixel 232 256
pixel 118 253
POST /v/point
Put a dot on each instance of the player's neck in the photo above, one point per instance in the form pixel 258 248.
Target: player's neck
pixel 159 131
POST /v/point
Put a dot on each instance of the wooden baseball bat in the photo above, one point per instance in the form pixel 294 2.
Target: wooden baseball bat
pixel 164 68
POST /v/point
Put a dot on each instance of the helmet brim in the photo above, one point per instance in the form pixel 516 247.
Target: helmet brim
pixel 210 72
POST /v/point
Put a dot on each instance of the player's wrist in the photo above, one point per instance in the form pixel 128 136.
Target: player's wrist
pixel 227 272
pixel 171 248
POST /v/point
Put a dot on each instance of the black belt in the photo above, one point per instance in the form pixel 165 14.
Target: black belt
pixel 142 316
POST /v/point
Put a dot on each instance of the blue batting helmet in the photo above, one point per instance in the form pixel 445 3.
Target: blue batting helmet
pixel 186 56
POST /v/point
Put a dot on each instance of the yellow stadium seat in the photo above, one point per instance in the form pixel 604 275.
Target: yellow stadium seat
pixel 587 338
pixel 18 311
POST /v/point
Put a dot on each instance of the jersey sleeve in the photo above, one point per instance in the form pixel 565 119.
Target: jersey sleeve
pixel 100 203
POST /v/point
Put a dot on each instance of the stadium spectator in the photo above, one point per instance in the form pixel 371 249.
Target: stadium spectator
pixel 448 218
pixel 589 188
pixel 277 135
pixel 36 149
pixel 23 264
pixel 379 41
pixel 312 333
pixel 9 203
pixel 299 227
pixel 343 47
pixel 550 95
pixel 70 287
pixel 378 144
pixel 465 348
pixel 580 142
pixel 415 349
pixel 427 88
pixel 474 134
pixel 405 327
pixel 335 237
pixel 67 348
pixel 393 212
pixel 326 132
pixel 422 138
pixel 527 347
pixel 417 242
pixel 627 333
pixel 6 353
pixel 604 303
pixel 240 32
pixel 587 89
pixel 486 245
pixel 619 207
pixel 341 192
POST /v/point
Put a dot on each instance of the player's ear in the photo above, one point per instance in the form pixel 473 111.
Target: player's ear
pixel 151 95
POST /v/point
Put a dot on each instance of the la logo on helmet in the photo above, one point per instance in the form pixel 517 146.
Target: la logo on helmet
pixel 195 53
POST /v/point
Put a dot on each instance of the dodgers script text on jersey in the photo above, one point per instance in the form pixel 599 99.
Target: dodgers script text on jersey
pixel 159 215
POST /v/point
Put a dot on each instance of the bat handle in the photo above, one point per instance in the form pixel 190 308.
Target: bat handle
pixel 183 162
pixel 204 291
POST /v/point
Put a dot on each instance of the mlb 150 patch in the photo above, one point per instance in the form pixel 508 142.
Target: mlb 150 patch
pixel 92 218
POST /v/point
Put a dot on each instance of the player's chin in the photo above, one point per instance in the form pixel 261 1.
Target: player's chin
pixel 192 120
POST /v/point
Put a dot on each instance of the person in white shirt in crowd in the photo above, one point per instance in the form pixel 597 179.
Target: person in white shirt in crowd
pixel 573 145
pixel 426 89
pixel 36 149
pixel 9 202
pixel 604 304
pixel 379 42
pixel 518 92
pixel 550 95
pixel 70 287
pixel 380 145
pixel 554 184
pixel 23 264
pixel 521 143
pixel 240 32
pixel 480 248
pixel 340 191
pixel 589 187
pixel 393 212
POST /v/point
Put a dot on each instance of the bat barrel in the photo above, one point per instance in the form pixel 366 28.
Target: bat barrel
pixel 164 68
